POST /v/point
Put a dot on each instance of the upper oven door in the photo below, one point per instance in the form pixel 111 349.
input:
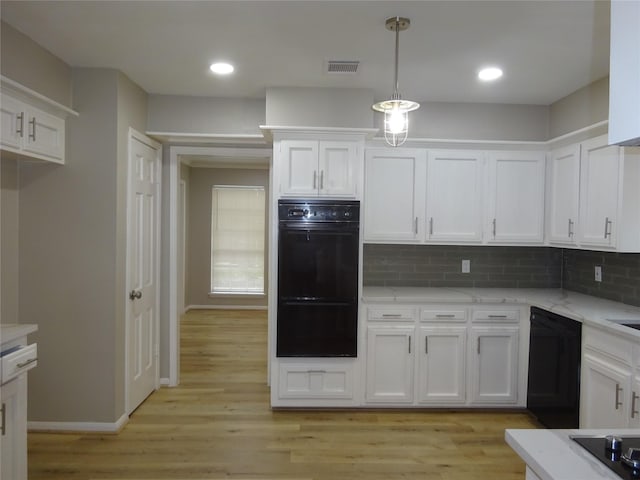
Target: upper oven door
pixel 318 262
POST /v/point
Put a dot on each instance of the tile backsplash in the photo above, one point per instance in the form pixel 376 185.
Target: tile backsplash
pixel 620 274
pixel 511 267
pixel 441 266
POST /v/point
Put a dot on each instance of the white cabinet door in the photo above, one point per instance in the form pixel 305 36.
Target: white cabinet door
pixel 13 441
pixel 299 167
pixel 599 191
pixel 564 192
pixel 390 358
pixel 454 196
pixel 516 197
pixel 634 408
pixel 493 364
pixel 337 167
pixel 44 134
pixel 441 367
pixel 605 394
pixel 394 195
pixel 12 122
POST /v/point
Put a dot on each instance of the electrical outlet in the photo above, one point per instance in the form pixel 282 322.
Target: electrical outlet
pixel 466 266
pixel 598 270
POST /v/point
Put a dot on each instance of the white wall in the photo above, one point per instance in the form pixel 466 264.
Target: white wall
pixel 9 215
pixel 319 107
pixel 183 114
pixel 580 109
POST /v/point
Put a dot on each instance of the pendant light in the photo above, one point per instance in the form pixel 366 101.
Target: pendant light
pixel 396 110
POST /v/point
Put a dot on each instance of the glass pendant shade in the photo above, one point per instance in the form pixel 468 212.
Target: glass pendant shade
pixel 396 110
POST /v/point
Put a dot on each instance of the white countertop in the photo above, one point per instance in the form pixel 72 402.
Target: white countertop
pixel 12 331
pixel 583 308
pixel 552 455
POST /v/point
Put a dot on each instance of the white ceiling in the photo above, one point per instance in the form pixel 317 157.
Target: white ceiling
pixel 547 49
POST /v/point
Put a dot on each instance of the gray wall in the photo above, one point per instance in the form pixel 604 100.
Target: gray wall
pixel 183 114
pixel 28 63
pixel 319 107
pixel 72 244
pixel 620 275
pixel 580 109
pixel 477 121
pixel 9 215
pixel 440 266
pixel 201 180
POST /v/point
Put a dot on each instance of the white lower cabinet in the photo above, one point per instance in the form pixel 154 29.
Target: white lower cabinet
pixel 390 360
pixel 13 440
pixel 442 358
pixel 441 364
pixel 604 393
pixel 314 382
pixel 493 364
pixel 610 381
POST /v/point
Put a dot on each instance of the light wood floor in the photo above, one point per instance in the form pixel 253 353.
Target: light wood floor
pixel 218 425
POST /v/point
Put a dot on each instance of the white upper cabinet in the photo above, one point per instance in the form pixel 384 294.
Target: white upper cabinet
pixel 394 195
pixel 624 76
pixel 32 126
pixel 600 179
pixel 516 197
pixel 564 194
pixel 454 196
pixel 311 168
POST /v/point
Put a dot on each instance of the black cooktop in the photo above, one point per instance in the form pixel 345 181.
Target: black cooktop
pixel 596 447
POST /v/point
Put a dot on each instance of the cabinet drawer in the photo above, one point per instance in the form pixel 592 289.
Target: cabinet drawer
pixel 19 360
pixel 610 345
pixel 316 381
pixel 495 316
pixel 443 315
pixel 387 314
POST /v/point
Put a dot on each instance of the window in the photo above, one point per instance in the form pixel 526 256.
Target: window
pixel 237 240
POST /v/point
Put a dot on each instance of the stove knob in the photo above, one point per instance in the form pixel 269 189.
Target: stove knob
pixel 347 214
pixel 613 443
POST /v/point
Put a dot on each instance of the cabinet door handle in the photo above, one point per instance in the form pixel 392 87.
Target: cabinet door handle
pixel 415 225
pixel 445 315
pixel 497 316
pixel 618 390
pixel 607 227
pixel 391 315
pixel 426 345
pixel 409 344
pixel 20 125
pixel 570 228
pixel 634 397
pixel 321 179
pixel 315 179
pixel 3 428
pixel 431 226
pixel 494 228
pixel 478 345
pixel 32 134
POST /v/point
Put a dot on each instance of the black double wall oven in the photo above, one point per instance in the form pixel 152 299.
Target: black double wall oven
pixel 318 250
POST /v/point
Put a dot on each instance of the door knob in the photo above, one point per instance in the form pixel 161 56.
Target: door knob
pixel 135 294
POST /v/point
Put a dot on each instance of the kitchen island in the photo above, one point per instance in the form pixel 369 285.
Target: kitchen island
pixel 553 455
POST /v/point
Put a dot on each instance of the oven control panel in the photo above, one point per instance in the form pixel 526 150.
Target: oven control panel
pixel 318 211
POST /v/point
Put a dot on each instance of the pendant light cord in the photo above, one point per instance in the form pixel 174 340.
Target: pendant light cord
pixel 396 95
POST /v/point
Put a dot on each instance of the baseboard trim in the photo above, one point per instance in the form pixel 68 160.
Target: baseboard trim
pixel 165 382
pixel 69 427
pixel 226 307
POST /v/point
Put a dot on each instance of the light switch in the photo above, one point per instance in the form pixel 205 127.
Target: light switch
pixel 598 273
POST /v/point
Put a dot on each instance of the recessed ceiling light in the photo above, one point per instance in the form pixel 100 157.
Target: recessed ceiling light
pixel 490 73
pixel 221 68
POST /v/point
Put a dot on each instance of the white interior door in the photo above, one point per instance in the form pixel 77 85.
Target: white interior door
pixel 142 266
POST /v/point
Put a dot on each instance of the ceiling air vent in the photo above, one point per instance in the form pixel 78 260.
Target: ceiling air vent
pixel 342 66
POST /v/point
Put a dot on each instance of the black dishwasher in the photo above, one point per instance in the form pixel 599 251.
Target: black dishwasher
pixel 553 393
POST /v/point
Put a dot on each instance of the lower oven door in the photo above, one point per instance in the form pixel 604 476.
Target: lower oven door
pixel 317 329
